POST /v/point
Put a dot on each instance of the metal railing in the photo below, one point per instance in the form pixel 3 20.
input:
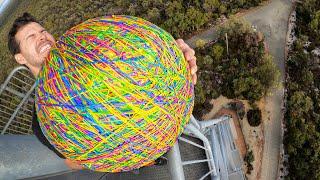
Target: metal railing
pixel 16 102
pixel 224 160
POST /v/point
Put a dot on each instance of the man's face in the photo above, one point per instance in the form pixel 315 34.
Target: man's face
pixel 35 44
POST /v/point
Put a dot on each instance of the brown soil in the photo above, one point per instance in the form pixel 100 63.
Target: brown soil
pixel 256 141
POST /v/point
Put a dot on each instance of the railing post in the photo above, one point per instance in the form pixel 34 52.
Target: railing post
pixel 175 163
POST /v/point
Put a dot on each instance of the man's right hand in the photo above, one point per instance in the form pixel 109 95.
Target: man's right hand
pixel 73 165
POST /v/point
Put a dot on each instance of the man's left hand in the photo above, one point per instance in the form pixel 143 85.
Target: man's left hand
pixel 189 55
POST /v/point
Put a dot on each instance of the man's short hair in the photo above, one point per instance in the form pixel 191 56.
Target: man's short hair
pixel 21 21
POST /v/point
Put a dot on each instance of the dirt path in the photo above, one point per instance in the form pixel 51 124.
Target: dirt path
pixel 272 20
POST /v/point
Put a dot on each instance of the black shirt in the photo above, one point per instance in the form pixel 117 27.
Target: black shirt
pixel 37 131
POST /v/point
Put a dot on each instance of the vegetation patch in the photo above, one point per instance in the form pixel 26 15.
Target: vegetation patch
pixel 248 159
pixel 235 66
pixel 254 117
pixel 302 135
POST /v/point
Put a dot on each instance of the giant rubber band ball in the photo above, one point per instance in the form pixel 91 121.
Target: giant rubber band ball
pixel 114 94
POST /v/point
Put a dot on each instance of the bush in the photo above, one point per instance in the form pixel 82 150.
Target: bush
pixel 254 117
pixel 249 158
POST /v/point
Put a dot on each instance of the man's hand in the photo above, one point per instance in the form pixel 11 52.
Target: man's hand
pixel 73 165
pixel 189 55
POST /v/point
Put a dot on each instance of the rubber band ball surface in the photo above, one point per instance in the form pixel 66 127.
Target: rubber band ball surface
pixel 114 93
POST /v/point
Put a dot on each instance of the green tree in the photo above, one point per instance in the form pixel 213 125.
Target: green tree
pixel 248 88
pixel 254 117
pixel 299 104
pixel 315 23
pixel 217 52
pixel 211 5
pixel 195 18
pixel 267 72
pixel 200 43
pixel 154 15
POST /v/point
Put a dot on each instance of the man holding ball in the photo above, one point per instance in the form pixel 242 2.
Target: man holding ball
pixel 30 44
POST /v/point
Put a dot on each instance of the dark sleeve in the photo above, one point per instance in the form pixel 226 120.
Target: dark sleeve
pixel 37 131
